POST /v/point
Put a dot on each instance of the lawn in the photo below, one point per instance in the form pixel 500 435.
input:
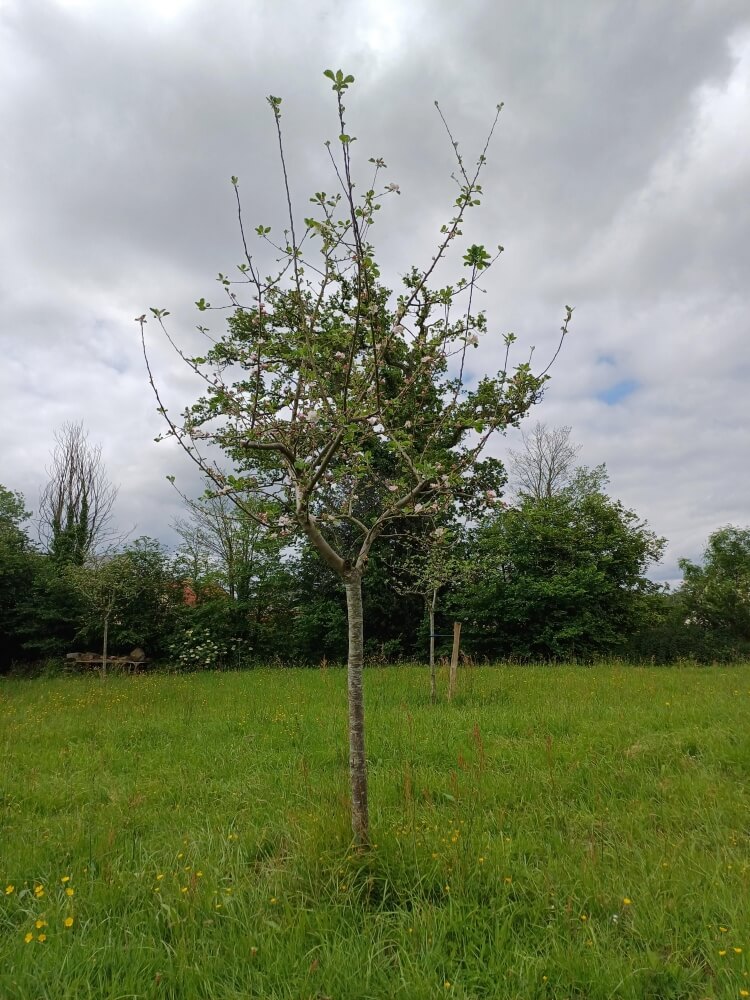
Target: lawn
pixel 555 832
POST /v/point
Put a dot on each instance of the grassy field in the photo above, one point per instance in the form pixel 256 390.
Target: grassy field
pixel 556 832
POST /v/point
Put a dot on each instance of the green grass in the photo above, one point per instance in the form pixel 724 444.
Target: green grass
pixel 556 832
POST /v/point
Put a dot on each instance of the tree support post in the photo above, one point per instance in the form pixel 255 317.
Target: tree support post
pixel 454 660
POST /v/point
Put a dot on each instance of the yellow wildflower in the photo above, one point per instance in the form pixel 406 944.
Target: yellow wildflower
pixel 38 891
pixel 42 937
pixel 69 921
pixel 737 951
pixel 723 952
pixel 65 878
pixel 29 938
pixel 9 889
pixel 40 923
pixel 626 901
pixel 70 892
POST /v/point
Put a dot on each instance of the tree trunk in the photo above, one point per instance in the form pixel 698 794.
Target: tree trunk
pixel 104 647
pixel 433 678
pixel 357 759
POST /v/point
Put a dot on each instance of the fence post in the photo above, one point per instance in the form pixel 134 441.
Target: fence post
pixel 454 660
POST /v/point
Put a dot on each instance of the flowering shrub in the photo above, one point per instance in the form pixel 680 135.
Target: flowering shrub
pixel 201 649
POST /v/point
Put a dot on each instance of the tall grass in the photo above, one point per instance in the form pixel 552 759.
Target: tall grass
pixel 554 832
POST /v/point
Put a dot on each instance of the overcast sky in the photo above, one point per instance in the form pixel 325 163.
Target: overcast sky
pixel 618 182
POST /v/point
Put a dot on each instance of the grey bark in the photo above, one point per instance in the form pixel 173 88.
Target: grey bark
pixel 433 678
pixel 357 758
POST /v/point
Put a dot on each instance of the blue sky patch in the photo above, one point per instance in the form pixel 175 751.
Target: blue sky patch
pixel 617 392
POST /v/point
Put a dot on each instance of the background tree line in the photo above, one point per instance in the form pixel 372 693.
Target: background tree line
pixel 556 571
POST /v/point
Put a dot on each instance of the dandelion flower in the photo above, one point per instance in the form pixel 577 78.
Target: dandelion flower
pixel 9 889
pixel 737 951
pixel 65 878
pixel 626 901
pixel 29 938
pixel 69 921
pixel 42 937
pixel 70 892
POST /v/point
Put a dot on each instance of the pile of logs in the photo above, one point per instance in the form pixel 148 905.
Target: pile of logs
pixel 135 659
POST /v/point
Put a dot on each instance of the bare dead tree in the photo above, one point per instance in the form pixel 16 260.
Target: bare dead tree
pixel 75 507
pixel 546 465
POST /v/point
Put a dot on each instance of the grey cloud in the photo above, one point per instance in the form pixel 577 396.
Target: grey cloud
pixel 618 180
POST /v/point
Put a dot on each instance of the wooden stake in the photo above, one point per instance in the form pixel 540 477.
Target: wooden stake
pixel 454 660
